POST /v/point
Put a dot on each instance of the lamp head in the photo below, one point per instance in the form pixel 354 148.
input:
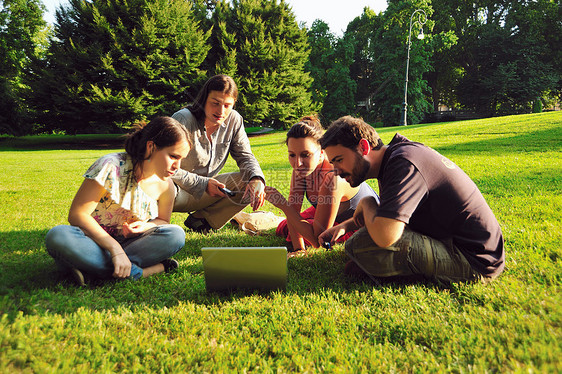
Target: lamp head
pixel 421 35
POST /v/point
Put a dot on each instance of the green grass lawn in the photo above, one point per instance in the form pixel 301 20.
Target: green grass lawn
pixel 324 321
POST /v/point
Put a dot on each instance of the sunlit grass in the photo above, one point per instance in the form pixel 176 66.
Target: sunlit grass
pixel 324 321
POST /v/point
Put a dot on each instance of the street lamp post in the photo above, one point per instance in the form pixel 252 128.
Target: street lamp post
pixel 422 19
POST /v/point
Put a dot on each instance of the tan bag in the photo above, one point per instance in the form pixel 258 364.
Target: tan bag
pixel 256 222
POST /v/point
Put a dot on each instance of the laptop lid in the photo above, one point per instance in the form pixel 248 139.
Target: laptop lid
pixel 228 268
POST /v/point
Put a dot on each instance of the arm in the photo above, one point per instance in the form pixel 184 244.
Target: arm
pixel 329 199
pixel 165 206
pixel 247 163
pixel 193 183
pixel 296 196
pixel 384 231
pixel 241 151
pixel 84 203
pixel 185 177
pixel 255 191
pixel 196 184
pixel 294 218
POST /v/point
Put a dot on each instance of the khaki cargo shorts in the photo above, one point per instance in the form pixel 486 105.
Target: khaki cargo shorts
pixel 412 254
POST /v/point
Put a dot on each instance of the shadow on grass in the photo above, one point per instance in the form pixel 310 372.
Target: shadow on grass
pixel 62 142
pixel 30 283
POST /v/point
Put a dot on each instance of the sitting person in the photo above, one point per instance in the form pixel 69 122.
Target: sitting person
pixel 333 200
pixel 431 222
pixel 216 130
pixel 120 216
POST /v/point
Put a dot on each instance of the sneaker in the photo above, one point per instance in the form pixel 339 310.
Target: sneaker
pixel 78 277
pixel 197 224
pixel 170 265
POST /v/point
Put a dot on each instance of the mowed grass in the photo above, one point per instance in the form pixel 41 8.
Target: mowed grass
pixel 324 321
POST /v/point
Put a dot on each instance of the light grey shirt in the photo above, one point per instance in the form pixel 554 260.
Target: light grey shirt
pixel 206 159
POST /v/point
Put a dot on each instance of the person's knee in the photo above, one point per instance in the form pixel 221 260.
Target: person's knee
pixel 175 236
pixel 181 201
pixel 57 239
pixel 360 239
pixel 377 261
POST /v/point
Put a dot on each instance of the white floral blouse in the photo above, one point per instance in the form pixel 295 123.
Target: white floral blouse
pixel 124 200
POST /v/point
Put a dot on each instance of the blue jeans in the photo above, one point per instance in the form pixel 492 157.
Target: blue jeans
pixel 70 247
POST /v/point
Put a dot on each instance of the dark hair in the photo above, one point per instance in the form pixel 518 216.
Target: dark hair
pixel 308 126
pixel 163 131
pixel 222 83
pixel 348 131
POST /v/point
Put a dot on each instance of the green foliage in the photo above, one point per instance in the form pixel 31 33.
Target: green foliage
pixel 21 22
pixel 360 31
pixel 325 321
pixel 114 62
pixel 490 56
pixel 382 42
pixel 329 64
pixel 321 42
pixel 508 53
pixel 537 105
pixel 259 43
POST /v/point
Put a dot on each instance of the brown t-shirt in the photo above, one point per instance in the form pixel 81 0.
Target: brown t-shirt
pixel 432 195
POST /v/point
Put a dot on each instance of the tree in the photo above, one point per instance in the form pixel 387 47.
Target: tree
pixel 259 43
pixel 508 54
pixel 360 31
pixel 116 61
pixel 446 70
pixel 321 42
pixel 21 23
pixel 380 62
pixel 328 64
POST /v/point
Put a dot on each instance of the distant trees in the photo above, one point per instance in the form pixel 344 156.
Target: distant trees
pixel 492 57
pixel 329 64
pixel 380 55
pixel 108 63
pixel 508 53
pixel 21 31
pixel 259 43
pixel 112 62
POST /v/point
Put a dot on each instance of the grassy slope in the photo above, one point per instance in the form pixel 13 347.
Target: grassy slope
pixel 324 321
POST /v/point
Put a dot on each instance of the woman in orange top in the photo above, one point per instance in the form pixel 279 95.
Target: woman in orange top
pixel 333 200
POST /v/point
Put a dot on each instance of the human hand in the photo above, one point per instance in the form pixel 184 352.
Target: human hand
pixel 367 207
pixel 255 193
pixel 274 196
pixel 121 265
pixel 213 188
pixel 358 217
pixel 331 235
pixel 130 230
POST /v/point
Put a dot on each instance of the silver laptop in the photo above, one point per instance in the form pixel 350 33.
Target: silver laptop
pixel 228 268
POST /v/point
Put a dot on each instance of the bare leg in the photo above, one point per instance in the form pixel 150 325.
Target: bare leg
pixel 151 270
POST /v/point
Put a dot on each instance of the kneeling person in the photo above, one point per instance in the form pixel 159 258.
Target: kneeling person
pixel 432 219
pixel 216 130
